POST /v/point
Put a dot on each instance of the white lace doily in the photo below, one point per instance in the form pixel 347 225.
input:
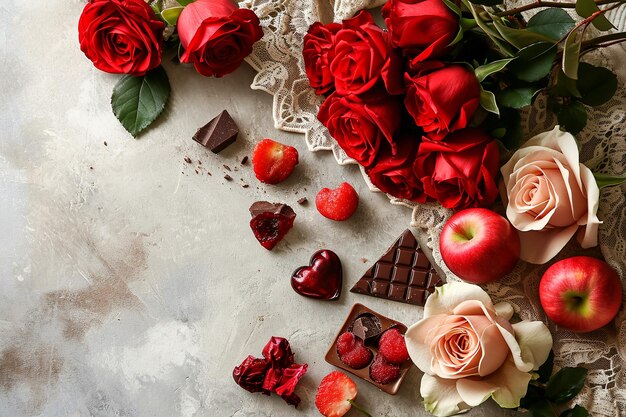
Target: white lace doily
pixel 278 60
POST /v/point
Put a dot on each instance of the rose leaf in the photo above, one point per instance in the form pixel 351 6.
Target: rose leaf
pixel 185 2
pixel 604 180
pixel 565 384
pixel 597 85
pixel 572 117
pixel 543 408
pixel 586 8
pixel 488 101
pixel 534 61
pixel 517 98
pixel 534 395
pixel 577 411
pixel 571 54
pixel 486 70
pixel 171 15
pixel 545 370
pixel 553 23
pixel 138 101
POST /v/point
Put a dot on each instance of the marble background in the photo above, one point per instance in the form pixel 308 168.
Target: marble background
pixel 130 282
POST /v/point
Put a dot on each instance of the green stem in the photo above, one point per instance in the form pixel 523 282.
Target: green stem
pixel 542 3
pixel 359 408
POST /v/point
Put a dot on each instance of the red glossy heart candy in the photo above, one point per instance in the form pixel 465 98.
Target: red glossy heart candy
pixel 322 279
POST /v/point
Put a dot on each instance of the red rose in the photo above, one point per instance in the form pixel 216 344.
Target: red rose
pixel 121 36
pixel 361 124
pixel 360 54
pixel 425 27
pixel 460 170
pixel 217 36
pixel 442 98
pixel 318 53
pixel 394 175
pixel 251 374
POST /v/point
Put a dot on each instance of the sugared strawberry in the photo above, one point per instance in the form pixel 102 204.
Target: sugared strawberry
pixel 338 204
pixel 352 351
pixel 393 347
pixel 382 371
pixel 270 222
pixel 336 395
pixel 273 162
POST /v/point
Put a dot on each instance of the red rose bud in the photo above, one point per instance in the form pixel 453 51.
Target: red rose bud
pixel 360 125
pixel 121 36
pixel 217 36
pixel 441 98
pixel 459 171
pixel 360 54
pixel 251 374
pixel 318 52
pixel 394 175
pixel 421 27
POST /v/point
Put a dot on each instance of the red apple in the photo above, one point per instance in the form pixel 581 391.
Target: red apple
pixel 581 294
pixel 479 245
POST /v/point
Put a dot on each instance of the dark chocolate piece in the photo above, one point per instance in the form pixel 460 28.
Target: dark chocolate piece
pixel 218 133
pixel 367 327
pixel 302 200
pixel 244 160
pixel 259 207
pixel 403 274
pixel 187 159
pixel 228 177
pixel 359 311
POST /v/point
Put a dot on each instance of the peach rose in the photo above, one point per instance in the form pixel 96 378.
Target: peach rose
pixel 550 196
pixel 469 351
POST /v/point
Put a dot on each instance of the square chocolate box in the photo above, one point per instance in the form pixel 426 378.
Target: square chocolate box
pixel 354 323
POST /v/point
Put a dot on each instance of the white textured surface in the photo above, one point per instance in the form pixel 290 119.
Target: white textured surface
pixel 134 288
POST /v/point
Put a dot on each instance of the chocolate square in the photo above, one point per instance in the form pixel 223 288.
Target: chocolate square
pixel 218 134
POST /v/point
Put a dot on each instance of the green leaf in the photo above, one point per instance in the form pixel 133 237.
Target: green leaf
pixel 519 38
pixel 534 61
pixel 572 117
pixel 452 6
pixel 458 37
pixel 571 54
pixel 596 85
pixel 586 8
pixel 534 395
pixel 185 2
pixel 604 180
pixel 565 86
pixel 545 370
pixel 171 15
pixel 565 384
pixel 484 71
pixel 577 411
pixel 138 101
pixel 543 408
pixel 488 102
pixel 517 98
pixel 553 23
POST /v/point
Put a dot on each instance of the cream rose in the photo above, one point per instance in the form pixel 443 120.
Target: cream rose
pixel 550 196
pixel 469 351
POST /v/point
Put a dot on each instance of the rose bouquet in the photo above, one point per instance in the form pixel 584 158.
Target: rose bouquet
pixel 431 106
pixel 130 37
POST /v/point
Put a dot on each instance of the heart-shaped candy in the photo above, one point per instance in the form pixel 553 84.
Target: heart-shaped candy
pixel 322 279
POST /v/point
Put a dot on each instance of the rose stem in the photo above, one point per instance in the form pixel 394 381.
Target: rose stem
pixel 359 408
pixel 542 3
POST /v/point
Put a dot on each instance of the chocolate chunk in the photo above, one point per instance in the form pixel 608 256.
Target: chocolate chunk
pixel 228 177
pixel 105 143
pixel 187 159
pixel 260 207
pixel 218 133
pixel 363 315
pixel 302 200
pixel 402 274
pixel 244 160
pixel 226 167
pixel 367 327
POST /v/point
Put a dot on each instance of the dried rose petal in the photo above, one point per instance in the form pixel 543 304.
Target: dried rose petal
pixel 250 375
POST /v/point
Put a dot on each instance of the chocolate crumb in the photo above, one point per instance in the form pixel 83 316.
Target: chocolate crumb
pixel 244 160
pixel 187 159
pixel 245 185
pixel 105 143
pixel 90 167
pixel 199 162
pixel 208 173
pixel 364 260
pixel 196 171
pixel 302 200
pixel 228 177
pixel 226 167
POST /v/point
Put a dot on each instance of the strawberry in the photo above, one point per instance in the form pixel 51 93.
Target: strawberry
pixel 352 352
pixel 336 394
pixel 382 371
pixel 338 204
pixel 273 162
pixel 393 347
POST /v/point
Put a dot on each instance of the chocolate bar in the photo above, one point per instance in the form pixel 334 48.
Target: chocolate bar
pixel 218 133
pixel 358 311
pixel 402 274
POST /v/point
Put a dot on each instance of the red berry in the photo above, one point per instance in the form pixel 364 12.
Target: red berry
pixel 393 347
pixel 352 352
pixel 273 162
pixel 269 228
pixel 338 204
pixel 382 371
pixel 334 394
